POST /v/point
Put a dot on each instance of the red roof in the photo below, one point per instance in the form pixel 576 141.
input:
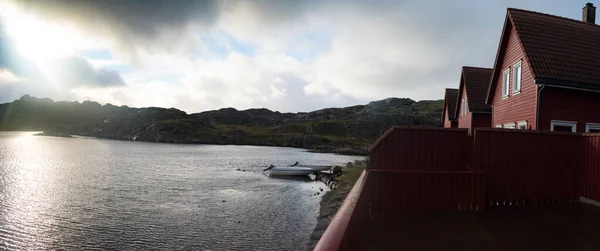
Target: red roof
pixel 450 98
pixel 476 80
pixel 560 51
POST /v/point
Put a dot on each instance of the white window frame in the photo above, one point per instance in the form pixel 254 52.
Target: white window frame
pixel 522 123
pixel 498 125
pixel 588 126
pixel 509 126
pixel 466 106
pixel 572 124
pixel 517 78
pixel 505 83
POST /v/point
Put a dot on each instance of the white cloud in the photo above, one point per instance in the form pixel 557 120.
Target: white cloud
pixel 7 77
pixel 305 54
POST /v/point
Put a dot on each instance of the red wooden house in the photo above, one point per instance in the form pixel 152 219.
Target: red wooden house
pixel 546 74
pixel 449 114
pixel 471 109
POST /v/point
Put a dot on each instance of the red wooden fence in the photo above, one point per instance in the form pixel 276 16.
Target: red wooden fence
pixel 590 167
pixel 528 166
pixel 393 192
pixel 383 195
pixel 423 169
pixel 416 169
pixel 410 148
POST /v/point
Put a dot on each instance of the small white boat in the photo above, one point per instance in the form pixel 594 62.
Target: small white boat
pixel 296 169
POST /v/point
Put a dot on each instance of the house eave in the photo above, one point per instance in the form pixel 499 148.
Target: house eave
pixel 567 84
pixel 481 111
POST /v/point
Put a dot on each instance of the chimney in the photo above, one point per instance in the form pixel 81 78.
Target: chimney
pixel 589 13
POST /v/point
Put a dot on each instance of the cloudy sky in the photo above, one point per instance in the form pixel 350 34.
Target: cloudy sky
pixel 282 55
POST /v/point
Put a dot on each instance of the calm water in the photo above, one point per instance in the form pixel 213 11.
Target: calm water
pixel 83 193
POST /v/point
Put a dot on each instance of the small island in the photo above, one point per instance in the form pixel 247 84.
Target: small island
pixel 54 134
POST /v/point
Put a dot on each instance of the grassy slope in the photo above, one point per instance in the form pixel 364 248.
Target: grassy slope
pixel 349 130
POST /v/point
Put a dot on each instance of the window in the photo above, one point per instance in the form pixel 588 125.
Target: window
pixel 592 127
pixel 509 126
pixel 498 126
pixel 505 81
pixel 517 76
pixel 563 126
pixel 464 107
pixel 522 125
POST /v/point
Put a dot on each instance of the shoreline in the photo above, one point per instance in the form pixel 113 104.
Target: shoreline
pixel 333 199
pixel 339 150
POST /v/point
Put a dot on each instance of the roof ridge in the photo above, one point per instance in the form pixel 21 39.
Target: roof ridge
pixel 476 67
pixel 554 16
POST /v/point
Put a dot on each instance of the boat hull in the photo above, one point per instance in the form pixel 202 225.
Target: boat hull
pixel 297 170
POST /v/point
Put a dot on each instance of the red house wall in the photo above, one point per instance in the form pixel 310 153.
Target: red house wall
pixel 568 105
pixel 447 122
pixel 523 105
pixel 464 121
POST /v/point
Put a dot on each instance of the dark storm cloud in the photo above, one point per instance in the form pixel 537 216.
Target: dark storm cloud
pixel 131 22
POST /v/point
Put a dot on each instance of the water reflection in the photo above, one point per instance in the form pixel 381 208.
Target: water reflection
pixel 60 193
pixel 27 196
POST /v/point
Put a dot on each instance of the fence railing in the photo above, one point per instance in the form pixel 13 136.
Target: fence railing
pixel 345 229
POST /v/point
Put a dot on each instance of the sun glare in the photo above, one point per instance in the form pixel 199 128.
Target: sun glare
pixel 38 40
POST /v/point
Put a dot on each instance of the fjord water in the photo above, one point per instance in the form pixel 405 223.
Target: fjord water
pixel 83 193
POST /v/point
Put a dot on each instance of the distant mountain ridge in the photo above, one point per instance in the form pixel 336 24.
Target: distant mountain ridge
pixel 346 130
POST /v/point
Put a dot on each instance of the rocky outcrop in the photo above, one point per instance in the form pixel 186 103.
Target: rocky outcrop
pixel 347 130
pixel 54 134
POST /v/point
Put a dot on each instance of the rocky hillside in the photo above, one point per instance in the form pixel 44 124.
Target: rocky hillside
pixel 349 130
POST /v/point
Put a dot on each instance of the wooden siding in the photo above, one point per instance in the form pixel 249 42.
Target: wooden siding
pixel 464 121
pixel 523 105
pixel 568 105
pixel 447 122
